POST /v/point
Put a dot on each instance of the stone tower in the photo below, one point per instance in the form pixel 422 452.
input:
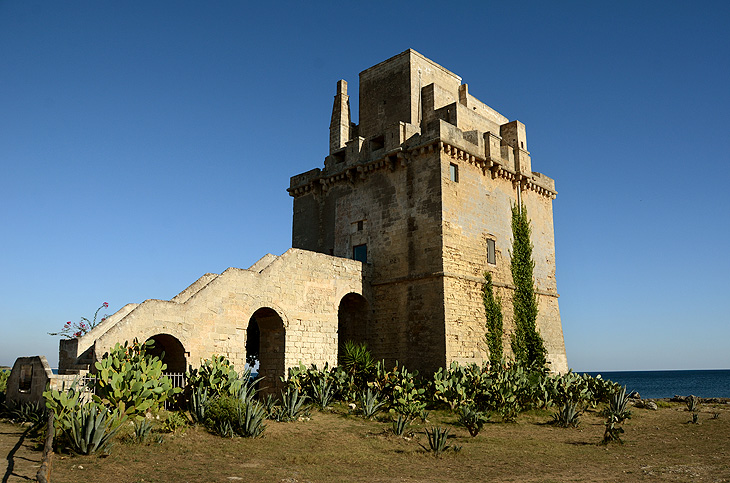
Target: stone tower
pixel 421 190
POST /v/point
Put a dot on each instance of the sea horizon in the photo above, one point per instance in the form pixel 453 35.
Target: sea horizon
pixel 656 384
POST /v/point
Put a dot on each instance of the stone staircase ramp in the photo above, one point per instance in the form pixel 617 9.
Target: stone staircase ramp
pixel 194 288
pixel 263 262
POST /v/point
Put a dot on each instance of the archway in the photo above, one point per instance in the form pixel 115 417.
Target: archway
pixel 353 320
pixel 174 352
pixel 265 344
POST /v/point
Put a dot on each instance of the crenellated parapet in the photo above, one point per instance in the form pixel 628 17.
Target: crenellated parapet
pixel 490 153
pixel 409 106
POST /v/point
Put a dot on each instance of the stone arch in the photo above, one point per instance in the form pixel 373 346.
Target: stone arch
pixel 266 345
pixel 353 320
pixel 174 352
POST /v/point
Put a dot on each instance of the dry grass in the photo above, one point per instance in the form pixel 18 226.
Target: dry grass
pixel 334 447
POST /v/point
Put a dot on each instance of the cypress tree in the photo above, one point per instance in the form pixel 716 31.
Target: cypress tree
pixel 527 344
pixel 493 310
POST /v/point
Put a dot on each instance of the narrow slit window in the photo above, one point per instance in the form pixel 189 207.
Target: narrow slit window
pixel 491 256
pixel 454 173
pixel 26 378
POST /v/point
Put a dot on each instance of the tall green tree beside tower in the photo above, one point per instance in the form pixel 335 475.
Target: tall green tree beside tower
pixel 527 344
pixel 493 310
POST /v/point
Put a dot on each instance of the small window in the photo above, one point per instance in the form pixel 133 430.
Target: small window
pixel 26 378
pixel 360 225
pixel 491 257
pixel 454 173
pixel 360 253
pixel 377 143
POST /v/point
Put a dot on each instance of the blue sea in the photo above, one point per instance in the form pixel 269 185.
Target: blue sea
pixel 657 384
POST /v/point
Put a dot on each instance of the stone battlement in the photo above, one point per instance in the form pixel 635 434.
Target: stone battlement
pixel 444 116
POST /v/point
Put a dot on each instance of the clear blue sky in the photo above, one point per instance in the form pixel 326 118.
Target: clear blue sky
pixel 143 144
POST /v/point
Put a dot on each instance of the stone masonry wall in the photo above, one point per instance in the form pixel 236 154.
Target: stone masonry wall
pixel 302 288
pixel 395 210
pixel 476 208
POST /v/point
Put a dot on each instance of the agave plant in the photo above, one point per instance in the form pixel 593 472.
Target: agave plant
pixel 251 420
pixel 567 415
pixel 437 439
pixel 92 428
pixel 292 405
pixel 198 404
pixel 618 403
pixel 472 419
pixel 616 414
pixel 370 403
pixel 400 424
pixel 28 412
pixel 322 392
pixel 613 431
pixel 142 430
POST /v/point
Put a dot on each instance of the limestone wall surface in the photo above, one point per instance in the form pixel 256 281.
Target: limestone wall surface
pixel 425 208
pixel 295 296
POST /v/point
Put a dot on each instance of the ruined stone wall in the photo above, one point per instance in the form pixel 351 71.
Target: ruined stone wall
pixel 390 91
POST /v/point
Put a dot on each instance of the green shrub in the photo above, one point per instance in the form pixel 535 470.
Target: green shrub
pixel 318 385
pixel 459 385
pixel 494 325
pixel 222 409
pixel 175 421
pixel 355 359
pixel 527 344
pixel 4 375
pixel 218 377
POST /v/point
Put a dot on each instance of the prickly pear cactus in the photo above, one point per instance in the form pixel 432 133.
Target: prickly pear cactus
pixel 132 380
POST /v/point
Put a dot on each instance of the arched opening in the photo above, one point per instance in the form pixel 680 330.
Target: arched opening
pixel 353 320
pixel 174 352
pixel 265 345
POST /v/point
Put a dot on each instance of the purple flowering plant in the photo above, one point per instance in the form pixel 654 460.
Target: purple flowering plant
pixel 74 330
